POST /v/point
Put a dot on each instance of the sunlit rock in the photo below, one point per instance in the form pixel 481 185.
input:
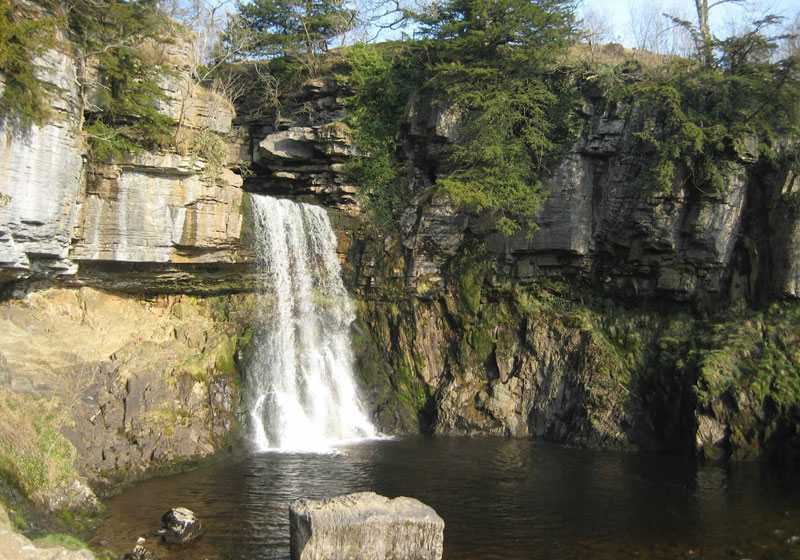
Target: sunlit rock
pixel 366 526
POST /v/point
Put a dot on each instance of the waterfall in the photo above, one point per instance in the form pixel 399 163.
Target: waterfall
pixel 300 383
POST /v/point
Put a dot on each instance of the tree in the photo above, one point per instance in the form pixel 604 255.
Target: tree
pixel 118 42
pixel 481 30
pixel 595 29
pixel 704 40
pixel 22 37
pixel 296 28
pixel 494 59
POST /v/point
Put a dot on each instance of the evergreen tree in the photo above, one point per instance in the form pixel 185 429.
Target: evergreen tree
pixel 502 32
pixel 297 28
pixel 22 37
pixel 494 60
pixel 116 34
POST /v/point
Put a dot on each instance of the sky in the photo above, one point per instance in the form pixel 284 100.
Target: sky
pixel 618 13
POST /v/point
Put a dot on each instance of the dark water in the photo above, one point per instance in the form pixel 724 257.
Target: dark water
pixel 500 499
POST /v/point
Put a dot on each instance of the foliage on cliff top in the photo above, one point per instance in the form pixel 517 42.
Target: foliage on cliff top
pixel 126 40
pixel 383 79
pixel 495 64
pixel 696 117
pixel 299 30
pixel 22 38
pixel 117 36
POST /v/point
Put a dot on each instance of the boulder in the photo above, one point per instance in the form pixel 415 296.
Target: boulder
pixel 181 526
pixel 366 526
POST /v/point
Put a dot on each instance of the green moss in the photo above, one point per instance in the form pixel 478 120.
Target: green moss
pixel 758 352
pixel 410 389
pixel 62 540
pixel 166 420
pixel 477 347
pixel 18 523
pixel 224 361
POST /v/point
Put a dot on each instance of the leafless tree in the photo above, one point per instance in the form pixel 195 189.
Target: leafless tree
pixel 790 46
pixel 595 29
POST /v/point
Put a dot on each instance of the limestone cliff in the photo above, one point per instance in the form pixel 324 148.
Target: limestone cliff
pixel 102 386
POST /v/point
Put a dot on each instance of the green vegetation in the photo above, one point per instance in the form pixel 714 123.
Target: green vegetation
pixel 126 38
pixel 697 118
pixel 496 63
pixel 383 80
pixel 62 540
pixel 755 351
pixel 22 38
pixel 34 456
pixel 296 29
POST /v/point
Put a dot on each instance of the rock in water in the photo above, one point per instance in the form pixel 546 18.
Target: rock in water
pixel 140 552
pixel 365 526
pixel 180 526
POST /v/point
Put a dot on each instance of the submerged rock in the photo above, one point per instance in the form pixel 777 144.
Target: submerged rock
pixel 365 526
pixel 140 552
pixel 180 526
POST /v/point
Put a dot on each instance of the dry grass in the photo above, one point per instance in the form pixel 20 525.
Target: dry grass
pixel 34 456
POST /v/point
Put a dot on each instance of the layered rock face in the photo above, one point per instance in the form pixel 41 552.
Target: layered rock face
pixel 600 224
pixel 150 223
pixel 41 172
pixel 304 156
pixel 511 349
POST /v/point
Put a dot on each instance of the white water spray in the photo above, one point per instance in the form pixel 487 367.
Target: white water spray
pixel 300 376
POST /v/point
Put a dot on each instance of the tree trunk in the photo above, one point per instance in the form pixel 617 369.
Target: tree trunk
pixel 706 46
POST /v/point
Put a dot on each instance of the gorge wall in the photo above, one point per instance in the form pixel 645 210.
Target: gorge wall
pixel 126 287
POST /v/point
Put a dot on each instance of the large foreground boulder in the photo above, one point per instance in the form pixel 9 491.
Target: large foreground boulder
pixel 365 526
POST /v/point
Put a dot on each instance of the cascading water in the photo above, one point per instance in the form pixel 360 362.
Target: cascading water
pixel 300 374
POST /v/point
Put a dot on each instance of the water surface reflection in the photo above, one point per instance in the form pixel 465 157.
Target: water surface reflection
pixel 499 498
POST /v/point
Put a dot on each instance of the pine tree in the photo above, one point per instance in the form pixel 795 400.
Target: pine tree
pixel 22 37
pixel 495 65
pixel 296 28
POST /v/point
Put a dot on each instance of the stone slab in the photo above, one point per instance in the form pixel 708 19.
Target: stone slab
pixel 366 526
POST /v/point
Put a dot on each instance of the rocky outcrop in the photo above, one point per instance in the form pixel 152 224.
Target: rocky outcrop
pixel 365 526
pixel 180 526
pixel 502 370
pixel 139 383
pixel 304 156
pixel 600 224
pixel 159 224
pixel 156 218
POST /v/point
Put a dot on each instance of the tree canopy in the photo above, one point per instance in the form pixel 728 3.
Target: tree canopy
pixel 495 61
pixel 294 28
